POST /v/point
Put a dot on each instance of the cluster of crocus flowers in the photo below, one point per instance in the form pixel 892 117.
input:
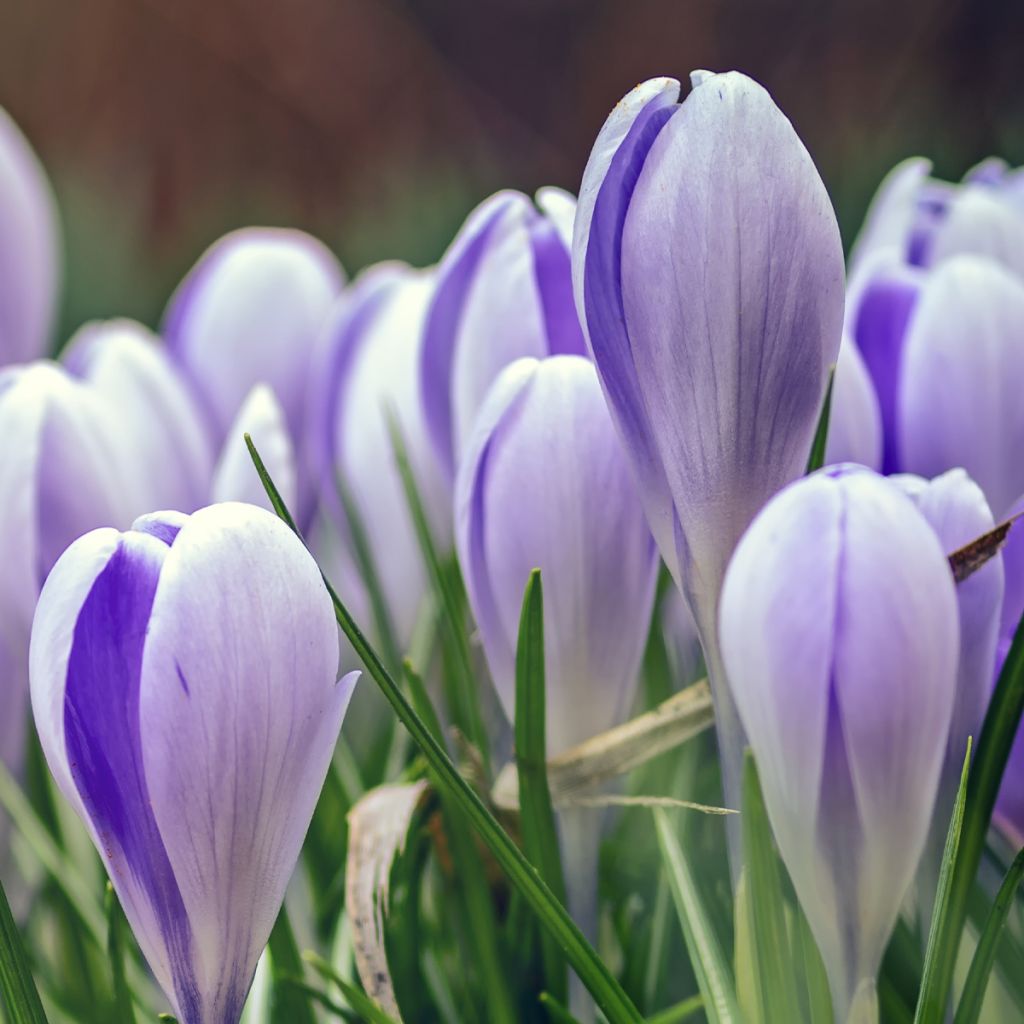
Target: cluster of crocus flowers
pixel 577 388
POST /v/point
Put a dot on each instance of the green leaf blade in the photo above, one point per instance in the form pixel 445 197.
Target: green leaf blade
pixel 17 986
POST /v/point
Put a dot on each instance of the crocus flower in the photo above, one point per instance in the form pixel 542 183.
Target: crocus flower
pixel 545 484
pixel 161 434
pixel 28 249
pixel 961 378
pixel 957 511
pixel 370 357
pixel 504 290
pixel 250 312
pixel 235 477
pixel 840 635
pixel 183 686
pixel 924 221
pixel 708 271
pixel 855 420
pixel 60 478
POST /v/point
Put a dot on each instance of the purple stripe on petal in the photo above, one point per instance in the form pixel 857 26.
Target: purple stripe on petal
pixel 162 525
pixel 553 273
pixel 101 722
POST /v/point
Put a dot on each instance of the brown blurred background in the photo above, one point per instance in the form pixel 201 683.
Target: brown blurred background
pixel 377 124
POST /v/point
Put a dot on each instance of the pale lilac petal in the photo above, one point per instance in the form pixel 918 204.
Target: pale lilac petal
pixel 554 441
pixel 855 423
pixel 237 703
pixel 250 312
pixel 1013 561
pixel 962 378
pixel 235 478
pixel 981 222
pixel 456 275
pixel 733 288
pixel 682 637
pixel 608 184
pixel 881 307
pixel 890 217
pixel 560 207
pixel 167 452
pixel 29 249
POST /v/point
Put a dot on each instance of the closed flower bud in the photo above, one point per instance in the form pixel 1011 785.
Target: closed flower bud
pixel 29 259
pixel 504 291
pixel 840 637
pixel 184 689
pixel 855 421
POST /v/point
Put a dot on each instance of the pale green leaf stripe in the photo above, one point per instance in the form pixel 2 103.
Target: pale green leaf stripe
pixel 931 1003
pixel 713 976
pixel 20 996
pixel 973 996
pixel 592 971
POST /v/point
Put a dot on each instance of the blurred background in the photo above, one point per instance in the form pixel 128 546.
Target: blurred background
pixel 378 124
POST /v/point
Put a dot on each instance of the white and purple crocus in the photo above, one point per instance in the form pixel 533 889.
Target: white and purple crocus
pixel 708 272
pixel 840 635
pixel 184 688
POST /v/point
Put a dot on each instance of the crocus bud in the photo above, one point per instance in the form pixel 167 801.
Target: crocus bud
pixel 161 435
pixel 957 511
pixel 546 484
pixel 709 274
pixel 250 312
pixel 855 421
pixel 840 636
pixel 183 686
pixel 28 249
pixel 370 371
pixel 504 290
pixel 926 221
pixel 962 376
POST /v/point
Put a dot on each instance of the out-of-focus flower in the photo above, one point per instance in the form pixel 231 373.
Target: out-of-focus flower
pixel 923 221
pixel 545 484
pixel 504 291
pixel 961 379
pixel 840 635
pixel 183 685
pixel 28 249
pixel 956 508
pixel 681 638
pixel 250 312
pixel 167 454
pixel 235 477
pixel 369 369
pixel 708 271
pixel 855 421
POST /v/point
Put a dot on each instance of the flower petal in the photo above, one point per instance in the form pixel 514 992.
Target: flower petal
pixel 855 424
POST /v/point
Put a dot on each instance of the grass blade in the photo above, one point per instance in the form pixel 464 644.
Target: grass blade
pixel 116 925
pixel 20 996
pixel 931 1003
pixel 364 1006
pixel 594 974
pixel 709 964
pixel 465 698
pixel 985 955
pixel 680 1012
pixel 776 978
pixel 817 457
pixel 288 1004
pixel 536 815
pixel 557 1013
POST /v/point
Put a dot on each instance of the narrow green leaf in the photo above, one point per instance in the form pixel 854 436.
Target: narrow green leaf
pixel 984 957
pixel 709 963
pixel 681 1011
pixel 359 1001
pixel 819 998
pixel 931 1003
pixel 557 1013
pixel 537 819
pixel 771 961
pixel 422 703
pixel 817 457
pixel 997 736
pixel 288 1005
pixel 594 974
pixel 465 696
pixel 20 996
pixel 116 925
pixel 325 1001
